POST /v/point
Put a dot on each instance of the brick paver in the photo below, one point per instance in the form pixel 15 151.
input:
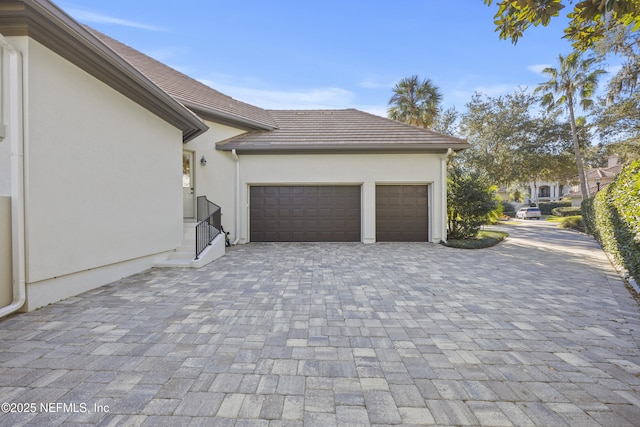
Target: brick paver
pixel 537 331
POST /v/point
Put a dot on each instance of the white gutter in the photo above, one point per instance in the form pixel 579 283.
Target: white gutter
pixel 12 112
pixel 237 197
pixel 443 177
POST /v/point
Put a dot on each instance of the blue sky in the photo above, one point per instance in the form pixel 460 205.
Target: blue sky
pixel 332 53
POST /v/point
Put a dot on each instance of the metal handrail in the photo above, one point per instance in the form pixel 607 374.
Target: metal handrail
pixel 209 217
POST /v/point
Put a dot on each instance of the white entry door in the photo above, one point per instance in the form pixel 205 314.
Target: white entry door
pixel 188 198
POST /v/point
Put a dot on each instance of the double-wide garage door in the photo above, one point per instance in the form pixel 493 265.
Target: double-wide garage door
pixel 332 213
pixel 305 213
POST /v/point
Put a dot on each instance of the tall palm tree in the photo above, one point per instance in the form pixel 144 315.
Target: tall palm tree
pixel 573 84
pixel 415 102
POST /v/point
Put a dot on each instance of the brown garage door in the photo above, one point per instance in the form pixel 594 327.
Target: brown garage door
pixel 402 213
pixel 305 213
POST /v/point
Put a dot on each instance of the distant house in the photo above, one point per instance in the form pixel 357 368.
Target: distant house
pixel 538 191
pixel 597 179
pixel 105 151
pixel 546 191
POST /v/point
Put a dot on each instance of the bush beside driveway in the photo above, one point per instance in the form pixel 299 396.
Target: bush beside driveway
pixel 613 217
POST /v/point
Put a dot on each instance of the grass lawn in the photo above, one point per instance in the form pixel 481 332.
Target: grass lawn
pixel 552 218
pixel 485 239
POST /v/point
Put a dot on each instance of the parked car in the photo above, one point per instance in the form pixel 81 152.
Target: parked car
pixel 530 212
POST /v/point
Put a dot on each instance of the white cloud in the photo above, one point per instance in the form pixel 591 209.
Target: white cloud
pixel 372 83
pixel 311 98
pixel 376 110
pixel 98 18
pixel 537 68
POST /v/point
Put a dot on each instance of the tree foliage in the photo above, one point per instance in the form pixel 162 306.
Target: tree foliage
pixel 470 202
pixel 619 129
pixel 415 101
pixel 589 20
pixel 570 85
pixel 618 114
pixel 446 122
pixel 514 141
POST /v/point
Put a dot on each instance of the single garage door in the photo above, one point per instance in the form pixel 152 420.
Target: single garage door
pixel 305 213
pixel 402 213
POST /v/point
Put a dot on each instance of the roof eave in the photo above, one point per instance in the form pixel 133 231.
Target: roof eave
pixel 53 28
pixel 342 148
pixel 225 118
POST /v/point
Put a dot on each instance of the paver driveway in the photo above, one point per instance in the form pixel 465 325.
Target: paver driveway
pixel 536 331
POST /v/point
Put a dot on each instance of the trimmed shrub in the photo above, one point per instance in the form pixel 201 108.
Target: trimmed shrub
pixel 589 217
pixel 470 203
pixel 572 222
pixel 547 207
pixel 508 209
pixel 568 211
pixel 517 196
pixel 613 218
pixel 485 239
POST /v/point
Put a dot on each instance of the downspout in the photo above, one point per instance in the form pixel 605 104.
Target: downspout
pixel 237 197
pixel 14 129
pixel 443 178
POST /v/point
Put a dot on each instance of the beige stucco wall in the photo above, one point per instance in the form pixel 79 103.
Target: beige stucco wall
pixel 217 179
pixel 102 176
pixel 6 272
pixel 366 170
pixel 5 145
pixel 6 275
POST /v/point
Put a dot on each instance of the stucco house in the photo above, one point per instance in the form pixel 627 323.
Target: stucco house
pixel 546 191
pixel 597 179
pixel 104 152
pixel 538 191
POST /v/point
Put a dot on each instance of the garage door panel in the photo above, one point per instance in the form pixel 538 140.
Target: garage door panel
pixel 305 213
pixel 272 190
pixel 402 213
pixel 325 224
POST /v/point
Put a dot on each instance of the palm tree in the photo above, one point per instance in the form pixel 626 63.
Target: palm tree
pixel 415 102
pixel 574 82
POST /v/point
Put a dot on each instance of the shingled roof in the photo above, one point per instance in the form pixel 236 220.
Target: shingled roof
pixel 342 131
pixel 208 103
pixel 285 130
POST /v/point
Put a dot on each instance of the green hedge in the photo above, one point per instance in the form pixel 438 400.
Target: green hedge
pixel 572 222
pixel 613 218
pixel 508 209
pixel 547 207
pixel 567 211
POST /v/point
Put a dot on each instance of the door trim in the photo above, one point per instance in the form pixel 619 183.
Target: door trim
pixel 189 213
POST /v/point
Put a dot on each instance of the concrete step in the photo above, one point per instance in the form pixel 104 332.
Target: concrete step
pixel 186 248
pixel 182 263
pixel 183 255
